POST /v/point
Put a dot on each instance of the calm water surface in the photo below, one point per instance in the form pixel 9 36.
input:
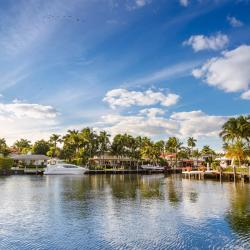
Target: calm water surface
pixel 122 212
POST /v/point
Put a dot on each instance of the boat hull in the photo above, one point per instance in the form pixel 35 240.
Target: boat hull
pixel 148 167
pixel 60 171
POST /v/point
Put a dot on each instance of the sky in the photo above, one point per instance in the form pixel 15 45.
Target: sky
pixel 157 68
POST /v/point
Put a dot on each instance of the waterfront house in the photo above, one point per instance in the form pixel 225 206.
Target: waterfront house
pixel 30 159
pixel 224 161
pixel 113 161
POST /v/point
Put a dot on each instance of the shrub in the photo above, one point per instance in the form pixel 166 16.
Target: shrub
pixel 215 165
pixel 6 163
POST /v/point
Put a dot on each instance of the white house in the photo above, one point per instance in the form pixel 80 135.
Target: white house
pixel 29 159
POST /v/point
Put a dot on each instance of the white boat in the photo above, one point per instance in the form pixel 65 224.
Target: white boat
pixel 152 167
pixel 64 169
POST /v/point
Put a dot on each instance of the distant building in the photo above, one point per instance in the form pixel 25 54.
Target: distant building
pixel 171 159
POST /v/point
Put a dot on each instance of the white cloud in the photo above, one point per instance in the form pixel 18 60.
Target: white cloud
pixel 151 122
pixel 184 3
pixel 26 120
pixel 26 110
pixel 201 42
pixel 230 72
pixel 125 98
pixel 197 123
pixel 246 95
pixel 234 22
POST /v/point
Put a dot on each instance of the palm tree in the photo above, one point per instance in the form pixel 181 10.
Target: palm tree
pixel 22 145
pixel 196 154
pixel 4 150
pixel 161 146
pixel 191 142
pixel 117 146
pixel 150 152
pixel 206 150
pixel 54 139
pixel 173 145
pixel 236 129
pixel 104 143
pixel 237 151
pixel 72 138
pixel 90 142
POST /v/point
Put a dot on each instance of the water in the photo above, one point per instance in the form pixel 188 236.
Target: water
pixel 122 212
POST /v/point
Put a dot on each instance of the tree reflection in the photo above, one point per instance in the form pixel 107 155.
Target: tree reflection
pixel 123 186
pixel 174 192
pixel 239 214
pixel 150 186
pixel 79 188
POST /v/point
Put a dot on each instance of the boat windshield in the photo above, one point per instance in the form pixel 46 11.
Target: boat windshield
pixel 69 166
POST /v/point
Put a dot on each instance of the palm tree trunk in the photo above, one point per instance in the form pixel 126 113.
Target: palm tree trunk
pixel 249 173
pixel 234 169
pixel 176 161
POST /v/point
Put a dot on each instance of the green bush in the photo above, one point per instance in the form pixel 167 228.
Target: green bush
pixel 215 165
pixel 6 163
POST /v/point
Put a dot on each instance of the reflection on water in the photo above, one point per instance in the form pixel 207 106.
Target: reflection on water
pixel 174 190
pixel 238 214
pixel 122 211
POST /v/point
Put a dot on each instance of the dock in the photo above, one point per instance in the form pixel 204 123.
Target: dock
pixel 30 171
pixel 39 171
pixel 229 176
pixel 133 171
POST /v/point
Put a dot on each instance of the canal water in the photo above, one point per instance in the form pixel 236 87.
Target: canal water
pixel 123 212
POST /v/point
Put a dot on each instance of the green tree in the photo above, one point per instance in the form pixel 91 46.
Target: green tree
pixel 151 152
pixel 208 153
pixel 104 142
pixel 191 142
pixel 237 151
pixel 54 139
pixel 89 141
pixel 206 150
pixel 54 150
pixel 4 149
pixel 72 140
pixel 161 146
pixel 173 145
pixel 22 145
pixel 118 145
pixel 236 129
pixel 196 155
pixel 41 147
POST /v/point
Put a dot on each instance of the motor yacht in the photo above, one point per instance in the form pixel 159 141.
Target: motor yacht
pixel 61 168
pixel 152 167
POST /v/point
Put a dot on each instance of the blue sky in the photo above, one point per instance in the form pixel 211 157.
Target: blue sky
pixel 159 68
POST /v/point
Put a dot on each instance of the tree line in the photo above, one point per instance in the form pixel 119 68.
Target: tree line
pixel 79 146
pixel 235 134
